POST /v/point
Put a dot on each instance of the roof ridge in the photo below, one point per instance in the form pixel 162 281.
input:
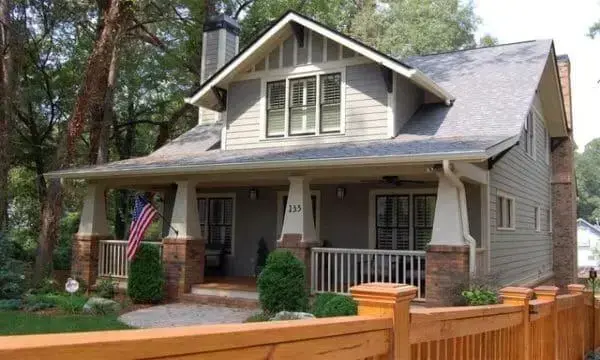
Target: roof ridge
pixel 475 48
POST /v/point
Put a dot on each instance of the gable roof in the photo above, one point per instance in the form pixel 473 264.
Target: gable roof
pixel 205 97
pixel 588 225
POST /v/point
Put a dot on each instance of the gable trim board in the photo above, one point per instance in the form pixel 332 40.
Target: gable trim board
pixel 413 74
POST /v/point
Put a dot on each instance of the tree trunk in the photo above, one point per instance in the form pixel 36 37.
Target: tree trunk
pixel 5 107
pixel 50 219
pixel 108 112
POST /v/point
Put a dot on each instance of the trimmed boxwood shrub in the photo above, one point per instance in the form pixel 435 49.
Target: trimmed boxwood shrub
pixel 146 279
pixel 331 305
pixel 282 284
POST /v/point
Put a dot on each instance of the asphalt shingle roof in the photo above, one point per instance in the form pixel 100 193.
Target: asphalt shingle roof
pixel 494 88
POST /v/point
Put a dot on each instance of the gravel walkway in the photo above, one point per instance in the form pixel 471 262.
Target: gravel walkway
pixel 172 315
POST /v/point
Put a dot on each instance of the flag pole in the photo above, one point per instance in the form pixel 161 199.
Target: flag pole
pixel 161 215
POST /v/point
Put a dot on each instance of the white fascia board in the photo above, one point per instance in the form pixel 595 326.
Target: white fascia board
pixel 472 156
pixel 414 75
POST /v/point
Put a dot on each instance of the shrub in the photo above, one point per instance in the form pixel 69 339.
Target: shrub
pixel 106 288
pixel 65 302
pixel 282 284
pixel 331 305
pixel 258 317
pixel 475 297
pixel 12 272
pixel 69 224
pixel 594 355
pixel 261 256
pixel 146 281
pixel 10 304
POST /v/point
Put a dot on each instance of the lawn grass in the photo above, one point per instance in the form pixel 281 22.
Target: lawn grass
pixel 22 323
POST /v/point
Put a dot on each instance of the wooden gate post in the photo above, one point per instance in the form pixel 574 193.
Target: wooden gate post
pixel 578 289
pixel 520 296
pixel 549 293
pixel 388 300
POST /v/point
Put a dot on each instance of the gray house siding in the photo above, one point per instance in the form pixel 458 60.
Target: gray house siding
pixel 409 98
pixel 524 254
pixel 365 108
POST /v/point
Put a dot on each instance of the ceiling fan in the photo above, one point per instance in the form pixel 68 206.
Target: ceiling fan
pixel 392 180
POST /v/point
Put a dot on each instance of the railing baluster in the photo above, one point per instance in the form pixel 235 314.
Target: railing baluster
pixel 375 266
pixel 419 275
pixel 389 268
pixel 328 272
pixel 348 273
pixel 322 287
pixel 335 272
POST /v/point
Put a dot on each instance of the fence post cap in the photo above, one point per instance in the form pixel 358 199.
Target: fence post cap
pixel 546 291
pixel 383 292
pixel 576 288
pixel 516 293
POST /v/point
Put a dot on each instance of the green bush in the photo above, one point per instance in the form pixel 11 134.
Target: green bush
pixel 594 355
pixel 146 280
pixel 65 302
pixel 106 288
pixel 331 305
pixel 10 304
pixel 12 272
pixel 69 224
pixel 480 296
pixel 282 284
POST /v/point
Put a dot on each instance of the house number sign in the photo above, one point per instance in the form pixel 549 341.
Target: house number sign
pixel 294 208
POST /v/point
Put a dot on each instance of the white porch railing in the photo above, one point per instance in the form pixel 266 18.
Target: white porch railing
pixel 336 270
pixel 112 258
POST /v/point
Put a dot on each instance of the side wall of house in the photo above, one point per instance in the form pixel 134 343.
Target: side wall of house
pixel 523 255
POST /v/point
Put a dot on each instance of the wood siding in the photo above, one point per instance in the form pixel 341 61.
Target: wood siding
pixel 230 46
pixel 409 98
pixel 522 255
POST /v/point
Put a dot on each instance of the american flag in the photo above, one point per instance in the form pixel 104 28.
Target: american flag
pixel 143 214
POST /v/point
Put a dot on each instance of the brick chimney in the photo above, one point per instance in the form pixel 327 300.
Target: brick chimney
pixel 564 198
pixel 220 43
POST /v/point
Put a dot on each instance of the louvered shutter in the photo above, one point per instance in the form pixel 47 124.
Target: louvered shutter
pixel 424 208
pixel 392 222
pixel 275 108
pixel 303 93
pixel 331 102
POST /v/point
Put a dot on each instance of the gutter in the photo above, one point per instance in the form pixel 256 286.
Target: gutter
pixel 450 175
pixel 424 81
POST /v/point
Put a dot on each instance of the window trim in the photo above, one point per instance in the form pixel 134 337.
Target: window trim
pixel 513 215
pixel 281 194
pixel 290 75
pixel 200 195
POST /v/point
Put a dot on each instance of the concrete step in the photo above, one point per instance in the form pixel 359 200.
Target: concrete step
pixel 228 297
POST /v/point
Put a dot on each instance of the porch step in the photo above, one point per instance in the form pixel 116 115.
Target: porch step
pixel 230 297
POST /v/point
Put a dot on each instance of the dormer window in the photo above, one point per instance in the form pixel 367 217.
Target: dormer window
pixel 309 105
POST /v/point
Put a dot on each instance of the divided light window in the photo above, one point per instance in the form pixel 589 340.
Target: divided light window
pixel 216 221
pixel 505 212
pixel 314 106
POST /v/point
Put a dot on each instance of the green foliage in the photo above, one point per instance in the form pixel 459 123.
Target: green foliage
pixel 46 286
pixel 258 317
pixel 106 288
pixel 62 253
pixel 331 305
pixel 475 296
pixel 262 252
pixel 282 284
pixel 10 304
pixel 588 181
pixel 146 280
pixel 66 302
pixel 12 272
pixel 594 355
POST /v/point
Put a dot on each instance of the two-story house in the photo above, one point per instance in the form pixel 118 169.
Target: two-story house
pixel 427 170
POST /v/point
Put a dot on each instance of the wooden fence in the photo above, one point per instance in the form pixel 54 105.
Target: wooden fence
pixel 557 327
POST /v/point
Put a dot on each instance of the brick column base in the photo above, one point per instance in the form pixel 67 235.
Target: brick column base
pixel 301 250
pixel 447 270
pixel 84 258
pixel 183 260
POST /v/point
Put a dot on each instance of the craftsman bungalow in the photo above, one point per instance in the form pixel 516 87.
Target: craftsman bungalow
pixel 424 170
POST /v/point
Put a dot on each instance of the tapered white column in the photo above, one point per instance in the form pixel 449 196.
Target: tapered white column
pixel 298 217
pixel 447 223
pixel 93 215
pixel 185 219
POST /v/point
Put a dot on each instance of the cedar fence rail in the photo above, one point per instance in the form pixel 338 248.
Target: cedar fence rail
pixel 558 327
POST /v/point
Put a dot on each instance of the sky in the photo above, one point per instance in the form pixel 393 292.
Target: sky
pixel 567 22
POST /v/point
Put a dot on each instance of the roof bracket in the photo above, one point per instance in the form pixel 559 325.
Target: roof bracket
pixel 556 141
pixel 221 95
pixel 388 78
pixel 298 33
pixel 494 159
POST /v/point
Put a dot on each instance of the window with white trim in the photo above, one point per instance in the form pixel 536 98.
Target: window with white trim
pixel 216 221
pixel 505 212
pixel 314 106
pixel 528 138
pixel 536 219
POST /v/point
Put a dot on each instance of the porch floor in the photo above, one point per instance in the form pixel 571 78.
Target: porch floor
pixel 230 283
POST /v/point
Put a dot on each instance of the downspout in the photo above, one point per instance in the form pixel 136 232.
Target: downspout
pixel 462 198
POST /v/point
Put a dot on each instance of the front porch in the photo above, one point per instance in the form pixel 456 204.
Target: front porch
pixel 362 228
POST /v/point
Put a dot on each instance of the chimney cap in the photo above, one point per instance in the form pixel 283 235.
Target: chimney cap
pixel 563 58
pixel 222 21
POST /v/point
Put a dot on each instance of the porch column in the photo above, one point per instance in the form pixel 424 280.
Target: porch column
pixel 183 248
pixel 447 259
pixel 93 227
pixel 298 233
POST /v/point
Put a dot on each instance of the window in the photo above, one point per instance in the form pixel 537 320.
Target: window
pixel 536 219
pixel 276 108
pixel 505 212
pixel 314 106
pixel 216 221
pixel 528 141
pixel 303 110
pixel 400 226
